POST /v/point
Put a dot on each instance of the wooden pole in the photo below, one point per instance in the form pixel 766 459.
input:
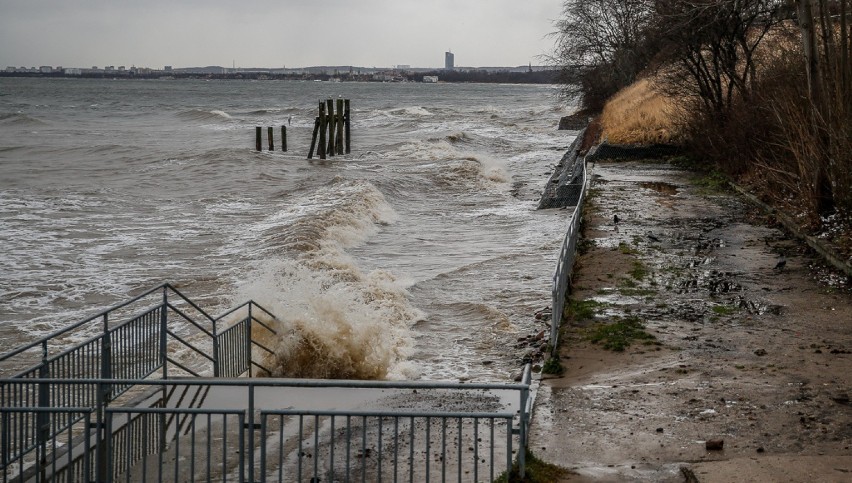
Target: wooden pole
pixel 323 120
pixel 314 137
pixel 338 143
pixel 346 124
pixel 271 141
pixel 258 138
pixel 284 138
pixel 331 124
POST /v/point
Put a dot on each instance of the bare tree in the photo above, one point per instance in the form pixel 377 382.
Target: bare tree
pixel 708 47
pixel 601 46
pixel 827 46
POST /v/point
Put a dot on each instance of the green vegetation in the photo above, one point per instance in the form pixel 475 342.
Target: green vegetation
pixel 639 271
pixel 537 471
pixel 711 182
pixel 626 249
pixel 552 366
pixel 584 245
pixel 724 309
pixel 620 334
pixel 579 310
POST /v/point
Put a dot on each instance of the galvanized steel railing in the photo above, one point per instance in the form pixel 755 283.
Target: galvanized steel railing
pixel 253 438
pixel 129 342
pixel 564 267
pixel 96 412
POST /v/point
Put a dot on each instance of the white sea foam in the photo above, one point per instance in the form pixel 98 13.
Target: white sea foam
pixel 336 320
pixel 188 203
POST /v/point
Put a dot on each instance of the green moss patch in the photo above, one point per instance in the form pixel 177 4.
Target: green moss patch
pixel 579 310
pixel 620 334
pixel 537 471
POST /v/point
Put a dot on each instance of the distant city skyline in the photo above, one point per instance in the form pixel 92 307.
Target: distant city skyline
pixel 275 34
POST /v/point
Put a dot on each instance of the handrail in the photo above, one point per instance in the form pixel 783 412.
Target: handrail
pixel 189 319
pixel 135 348
pixel 564 266
pixel 251 303
pixel 280 382
pixel 41 344
pixel 190 302
pixel 60 332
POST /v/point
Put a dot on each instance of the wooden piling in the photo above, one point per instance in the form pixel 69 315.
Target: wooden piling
pixel 331 126
pixel 338 143
pixel 258 141
pixel 314 137
pixel 284 139
pixel 321 148
pixel 269 136
pixel 346 124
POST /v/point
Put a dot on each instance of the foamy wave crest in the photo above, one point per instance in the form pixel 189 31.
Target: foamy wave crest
pixel 202 115
pixel 335 320
pixel 343 214
pixel 476 170
pixel 411 111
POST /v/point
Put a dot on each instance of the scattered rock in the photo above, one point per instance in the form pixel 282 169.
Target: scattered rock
pixel 760 352
pixel 659 430
pixel 715 444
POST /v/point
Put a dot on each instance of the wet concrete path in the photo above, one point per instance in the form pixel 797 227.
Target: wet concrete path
pixel 758 358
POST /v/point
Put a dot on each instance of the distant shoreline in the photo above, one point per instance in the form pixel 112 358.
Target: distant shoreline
pixel 478 76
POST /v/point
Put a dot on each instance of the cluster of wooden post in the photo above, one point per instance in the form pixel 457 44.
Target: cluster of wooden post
pixel 332 128
pixel 258 134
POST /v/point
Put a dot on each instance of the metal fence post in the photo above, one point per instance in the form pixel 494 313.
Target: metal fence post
pixel 164 317
pixel 4 440
pixel 106 362
pixel 106 452
pixel 248 339
pixel 522 436
pixel 217 371
pixel 103 397
pixel 43 418
pixel 250 438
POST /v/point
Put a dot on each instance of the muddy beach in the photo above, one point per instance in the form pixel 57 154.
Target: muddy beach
pixel 744 371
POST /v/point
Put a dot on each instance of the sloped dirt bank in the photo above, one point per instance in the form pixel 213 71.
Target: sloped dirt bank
pixel 754 357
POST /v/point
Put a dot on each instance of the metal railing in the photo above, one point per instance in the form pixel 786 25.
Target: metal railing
pixel 130 342
pixel 95 411
pixel 565 265
pixel 247 430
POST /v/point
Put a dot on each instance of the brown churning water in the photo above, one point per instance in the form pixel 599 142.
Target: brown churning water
pixel 420 255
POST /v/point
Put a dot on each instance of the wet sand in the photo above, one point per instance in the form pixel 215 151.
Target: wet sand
pixel 756 357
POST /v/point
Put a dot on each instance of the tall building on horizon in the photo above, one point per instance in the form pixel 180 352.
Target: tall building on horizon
pixel 449 60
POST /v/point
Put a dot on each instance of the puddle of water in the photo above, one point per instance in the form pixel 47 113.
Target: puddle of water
pixel 660 187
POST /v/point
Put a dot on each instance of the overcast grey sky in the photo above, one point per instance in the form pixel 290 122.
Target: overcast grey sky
pixel 274 33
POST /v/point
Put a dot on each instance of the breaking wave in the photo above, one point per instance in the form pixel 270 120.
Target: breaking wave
pixel 202 115
pixel 336 320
